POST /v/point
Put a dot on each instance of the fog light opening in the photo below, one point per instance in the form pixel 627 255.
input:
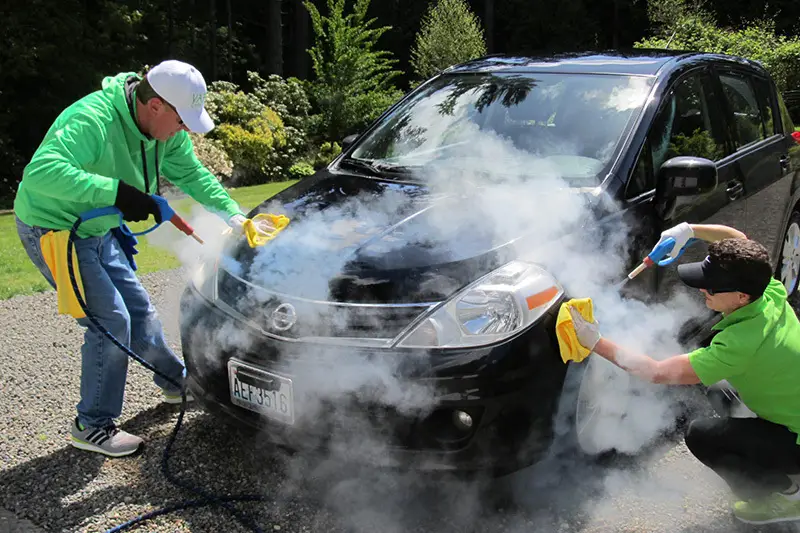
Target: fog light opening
pixel 462 420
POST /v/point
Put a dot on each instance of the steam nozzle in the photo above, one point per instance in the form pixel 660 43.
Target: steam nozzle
pixel 656 257
pixel 169 214
pixel 647 263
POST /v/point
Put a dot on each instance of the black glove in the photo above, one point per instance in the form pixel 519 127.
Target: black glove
pixel 135 205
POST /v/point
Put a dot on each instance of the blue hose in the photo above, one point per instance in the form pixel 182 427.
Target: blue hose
pixel 205 497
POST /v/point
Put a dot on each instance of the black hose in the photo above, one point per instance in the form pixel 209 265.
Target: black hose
pixel 206 497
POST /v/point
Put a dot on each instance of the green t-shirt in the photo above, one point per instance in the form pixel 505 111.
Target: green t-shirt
pixel 758 352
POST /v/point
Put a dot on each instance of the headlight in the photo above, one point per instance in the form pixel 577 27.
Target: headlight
pixel 489 310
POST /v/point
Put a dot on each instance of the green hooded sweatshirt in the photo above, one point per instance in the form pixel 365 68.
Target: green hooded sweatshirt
pixel 92 145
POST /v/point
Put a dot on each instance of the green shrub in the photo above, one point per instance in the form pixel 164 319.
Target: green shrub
pixel 353 80
pixel 263 142
pixel 213 156
pixel 301 170
pixel 254 147
pixel 327 152
pixel 450 34
pixel 684 26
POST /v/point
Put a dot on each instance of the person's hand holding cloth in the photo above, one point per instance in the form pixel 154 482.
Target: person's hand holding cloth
pixel 237 222
pixel 588 333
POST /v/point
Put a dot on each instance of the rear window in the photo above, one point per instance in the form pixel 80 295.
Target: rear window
pixel 786 116
pixel 746 113
pixel 767 105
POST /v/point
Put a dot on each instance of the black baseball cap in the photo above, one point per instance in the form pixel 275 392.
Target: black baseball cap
pixel 714 277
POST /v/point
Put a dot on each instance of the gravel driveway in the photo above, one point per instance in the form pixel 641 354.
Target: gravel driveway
pixel 46 483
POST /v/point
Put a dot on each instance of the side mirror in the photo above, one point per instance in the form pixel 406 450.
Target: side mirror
pixel 687 176
pixel 350 139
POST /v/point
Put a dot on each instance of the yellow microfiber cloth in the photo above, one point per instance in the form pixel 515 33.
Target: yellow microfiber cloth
pixel 54 252
pixel 258 237
pixel 571 349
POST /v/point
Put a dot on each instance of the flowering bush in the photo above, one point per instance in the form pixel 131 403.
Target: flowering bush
pixel 212 155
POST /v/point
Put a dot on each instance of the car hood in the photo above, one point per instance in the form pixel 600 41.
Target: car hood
pixel 358 239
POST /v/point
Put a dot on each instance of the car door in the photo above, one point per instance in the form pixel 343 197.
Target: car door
pixel 761 153
pixel 689 122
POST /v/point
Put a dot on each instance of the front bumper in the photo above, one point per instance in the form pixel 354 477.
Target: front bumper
pixel 386 407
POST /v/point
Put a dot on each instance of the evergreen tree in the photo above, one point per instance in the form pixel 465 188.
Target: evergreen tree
pixel 353 82
pixel 450 34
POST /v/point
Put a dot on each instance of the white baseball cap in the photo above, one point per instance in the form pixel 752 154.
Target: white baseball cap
pixel 182 86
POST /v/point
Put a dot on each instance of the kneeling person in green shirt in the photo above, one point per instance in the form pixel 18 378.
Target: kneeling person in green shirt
pixel 757 351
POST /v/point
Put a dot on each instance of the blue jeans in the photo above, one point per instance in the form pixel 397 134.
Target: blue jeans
pixel 114 295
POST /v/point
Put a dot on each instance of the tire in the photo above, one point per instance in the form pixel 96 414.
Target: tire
pixel 600 407
pixel 617 414
pixel 788 271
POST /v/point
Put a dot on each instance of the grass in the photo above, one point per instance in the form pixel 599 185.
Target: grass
pixel 18 276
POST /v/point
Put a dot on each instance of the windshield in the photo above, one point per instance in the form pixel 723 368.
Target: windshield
pixel 570 125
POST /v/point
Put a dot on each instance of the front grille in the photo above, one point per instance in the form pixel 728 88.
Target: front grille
pixel 297 318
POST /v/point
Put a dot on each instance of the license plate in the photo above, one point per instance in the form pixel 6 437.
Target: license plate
pixel 260 391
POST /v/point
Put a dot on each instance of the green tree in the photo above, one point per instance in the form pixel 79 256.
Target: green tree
pixel 686 25
pixel 353 79
pixel 450 34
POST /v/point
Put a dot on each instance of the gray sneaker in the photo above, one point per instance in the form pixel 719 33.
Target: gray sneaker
pixel 109 440
pixel 175 397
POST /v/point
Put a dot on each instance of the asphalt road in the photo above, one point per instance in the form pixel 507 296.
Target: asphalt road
pixel 46 485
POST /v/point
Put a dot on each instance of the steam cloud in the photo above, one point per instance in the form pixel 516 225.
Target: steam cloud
pixel 489 183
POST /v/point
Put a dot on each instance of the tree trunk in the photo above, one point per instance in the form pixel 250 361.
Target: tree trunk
pixel 301 18
pixel 170 26
pixel 193 11
pixel 488 20
pixel 230 40
pixel 275 37
pixel 212 15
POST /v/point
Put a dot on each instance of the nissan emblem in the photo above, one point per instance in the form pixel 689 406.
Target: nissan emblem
pixel 284 317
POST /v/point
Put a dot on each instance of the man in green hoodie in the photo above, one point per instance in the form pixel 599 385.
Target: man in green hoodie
pixel 109 148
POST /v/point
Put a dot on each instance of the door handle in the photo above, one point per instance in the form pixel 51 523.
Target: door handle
pixel 735 189
pixel 786 163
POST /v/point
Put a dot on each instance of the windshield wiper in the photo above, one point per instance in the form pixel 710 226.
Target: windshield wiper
pixel 378 167
pixel 362 164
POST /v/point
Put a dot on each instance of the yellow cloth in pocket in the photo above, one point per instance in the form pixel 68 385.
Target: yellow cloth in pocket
pixel 256 237
pixel 568 345
pixel 54 252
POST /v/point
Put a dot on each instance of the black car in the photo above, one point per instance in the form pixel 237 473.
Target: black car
pixel 406 315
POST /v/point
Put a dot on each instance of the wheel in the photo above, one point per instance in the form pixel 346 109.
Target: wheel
pixel 601 406
pixel 789 272
pixel 617 414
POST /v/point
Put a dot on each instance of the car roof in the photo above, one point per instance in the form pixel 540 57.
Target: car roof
pixel 639 61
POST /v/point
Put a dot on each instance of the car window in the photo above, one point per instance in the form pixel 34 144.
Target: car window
pixel 684 126
pixel 743 104
pixel 786 116
pixel 766 105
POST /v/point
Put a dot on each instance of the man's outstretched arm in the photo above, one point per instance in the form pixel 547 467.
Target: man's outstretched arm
pixel 675 370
